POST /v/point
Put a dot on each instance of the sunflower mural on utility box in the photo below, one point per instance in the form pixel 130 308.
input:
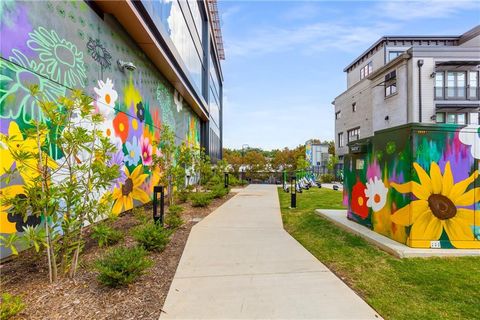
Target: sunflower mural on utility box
pixel 59 55
pixel 417 184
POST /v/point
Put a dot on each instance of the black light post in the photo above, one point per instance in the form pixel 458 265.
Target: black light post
pixel 188 180
pixel 158 217
pixel 293 192
pixel 226 179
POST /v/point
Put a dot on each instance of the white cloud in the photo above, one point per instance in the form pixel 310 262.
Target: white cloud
pixel 412 10
pixel 350 35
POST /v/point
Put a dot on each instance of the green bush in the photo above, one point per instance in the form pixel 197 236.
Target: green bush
pixel 174 209
pixel 219 191
pixel 201 199
pixel 10 306
pixel 214 181
pixel 327 178
pixel 152 237
pixel 182 196
pixel 173 221
pixel 106 235
pixel 121 266
pixel 139 214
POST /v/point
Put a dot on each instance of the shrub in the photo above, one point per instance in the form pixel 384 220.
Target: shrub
pixel 121 266
pixel 182 196
pixel 173 221
pixel 219 191
pixel 215 180
pixel 10 306
pixel 174 209
pixel 327 178
pixel 152 237
pixel 139 214
pixel 201 199
pixel 106 235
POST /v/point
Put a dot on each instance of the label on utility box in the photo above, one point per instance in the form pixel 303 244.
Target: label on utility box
pixel 435 244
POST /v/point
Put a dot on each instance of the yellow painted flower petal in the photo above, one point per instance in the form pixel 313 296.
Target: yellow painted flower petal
pixel 136 172
pixel 419 208
pixel 468 198
pixel 436 177
pixel 459 188
pixel 5 225
pixel 140 195
pixel 117 207
pixel 138 181
pixel 427 227
pixel 402 216
pixel 402 188
pixel 466 215
pixel 460 234
pixel 424 178
pixel 420 192
pixel 447 181
pixel 128 202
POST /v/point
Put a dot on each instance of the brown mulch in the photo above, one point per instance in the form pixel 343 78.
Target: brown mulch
pixel 85 297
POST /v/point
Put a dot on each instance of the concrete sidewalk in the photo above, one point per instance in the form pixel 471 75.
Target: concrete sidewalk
pixel 240 263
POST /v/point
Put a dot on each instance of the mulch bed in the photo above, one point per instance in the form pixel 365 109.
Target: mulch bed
pixel 84 297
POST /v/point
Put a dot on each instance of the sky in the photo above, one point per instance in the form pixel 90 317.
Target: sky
pixel 285 59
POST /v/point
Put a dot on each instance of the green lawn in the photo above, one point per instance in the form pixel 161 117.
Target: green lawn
pixel 433 288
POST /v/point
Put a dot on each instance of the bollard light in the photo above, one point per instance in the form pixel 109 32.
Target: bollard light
pixel 226 179
pixel 188 180
pixel 158 216
pixel 293 192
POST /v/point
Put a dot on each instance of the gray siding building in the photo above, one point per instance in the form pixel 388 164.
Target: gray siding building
pixel 405 79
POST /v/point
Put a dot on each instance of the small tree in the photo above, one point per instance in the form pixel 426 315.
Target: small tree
pixel 67 193
pixel 166 161
pixel 332 163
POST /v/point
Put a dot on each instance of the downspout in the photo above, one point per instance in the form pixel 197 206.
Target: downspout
pixel 420 64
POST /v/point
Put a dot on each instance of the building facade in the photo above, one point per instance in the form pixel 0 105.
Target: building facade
pixel 409 79
pixel 316 153
pixel 146 64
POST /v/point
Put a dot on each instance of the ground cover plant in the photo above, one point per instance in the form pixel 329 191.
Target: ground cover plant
pixel 121 266
pixel 420 288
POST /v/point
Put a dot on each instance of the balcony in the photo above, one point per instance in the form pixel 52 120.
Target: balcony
pixel 456 93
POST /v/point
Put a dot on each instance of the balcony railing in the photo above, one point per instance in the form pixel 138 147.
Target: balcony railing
pixel 456 93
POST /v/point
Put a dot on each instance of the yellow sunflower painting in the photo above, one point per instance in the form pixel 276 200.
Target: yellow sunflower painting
pixel 130 190
pixel 440 206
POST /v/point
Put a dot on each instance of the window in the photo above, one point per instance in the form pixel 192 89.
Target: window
pixel 390 83
pixel 440 117
pixel 340 140
pixel 338 114
pixel 366 70
pixel 474 118
pixel 455 118
pixel 353 134
pixel 439 84
pixel 354 107
pixel 473 85
pixel 393 54
pixel 455 85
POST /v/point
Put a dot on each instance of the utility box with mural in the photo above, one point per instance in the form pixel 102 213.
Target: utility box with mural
pixel 417 184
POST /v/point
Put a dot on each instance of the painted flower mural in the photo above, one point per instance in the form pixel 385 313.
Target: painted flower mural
pixel 359 200
pixel 440 205
pixel 130 190
pixel 106 98
pixel 13 143
pixel 134 152
pixel 99 53
pixel 147 151
pixel 63 61
pixel 376 192
pixel 470 136
pixel 425 191
pixel 16 78
pixel 121 127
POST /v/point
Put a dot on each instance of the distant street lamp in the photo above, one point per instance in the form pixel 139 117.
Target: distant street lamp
pixel 244 146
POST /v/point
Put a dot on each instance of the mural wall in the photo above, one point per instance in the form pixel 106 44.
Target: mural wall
pixel 418 185
pixel 64 45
